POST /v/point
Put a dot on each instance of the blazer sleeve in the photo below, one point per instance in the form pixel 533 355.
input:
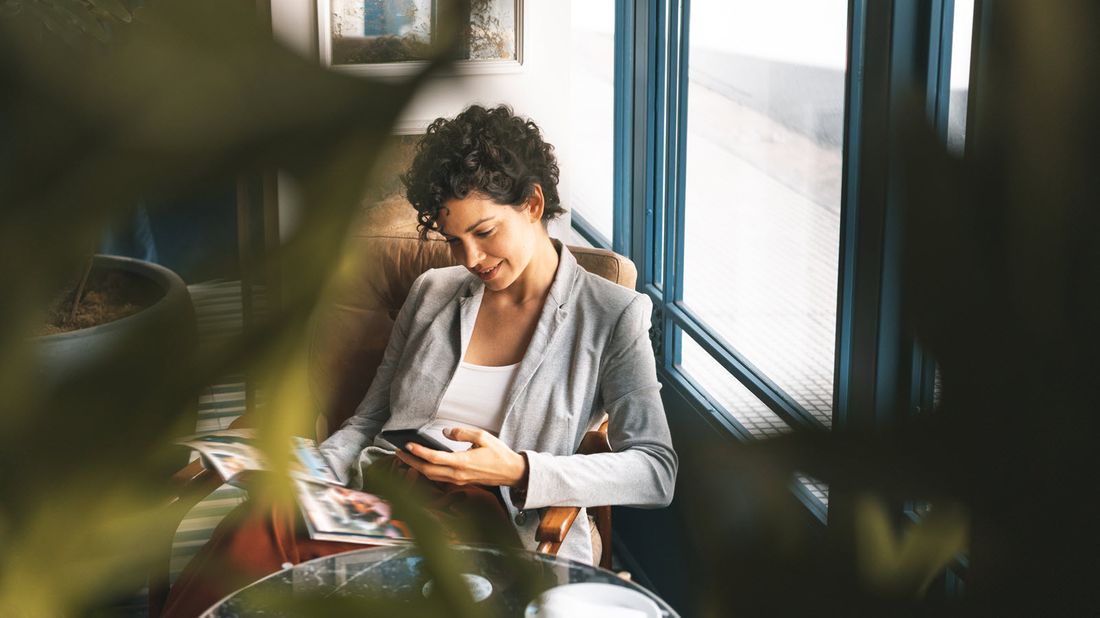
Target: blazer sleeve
pixel 641 470
pixel 343 447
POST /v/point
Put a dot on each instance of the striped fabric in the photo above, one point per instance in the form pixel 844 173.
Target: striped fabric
pixel 218 311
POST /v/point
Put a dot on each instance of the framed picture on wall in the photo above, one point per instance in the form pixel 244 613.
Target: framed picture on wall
pixel 391 37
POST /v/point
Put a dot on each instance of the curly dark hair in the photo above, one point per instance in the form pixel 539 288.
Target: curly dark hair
pixel 489 152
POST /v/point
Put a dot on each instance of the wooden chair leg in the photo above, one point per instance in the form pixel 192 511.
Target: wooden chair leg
pixel 602 515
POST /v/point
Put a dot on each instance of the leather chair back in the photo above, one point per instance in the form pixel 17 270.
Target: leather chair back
pixel 349 335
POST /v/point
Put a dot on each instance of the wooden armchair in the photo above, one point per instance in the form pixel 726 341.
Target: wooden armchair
pixel 346 345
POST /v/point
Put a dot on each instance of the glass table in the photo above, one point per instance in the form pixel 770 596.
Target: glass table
pixel 398 581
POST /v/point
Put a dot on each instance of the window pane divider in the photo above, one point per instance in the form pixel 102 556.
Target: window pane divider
pixel 675 121
pixel 653 158
pixel 625 76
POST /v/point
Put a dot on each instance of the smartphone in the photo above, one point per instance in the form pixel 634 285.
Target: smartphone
pixel 401 437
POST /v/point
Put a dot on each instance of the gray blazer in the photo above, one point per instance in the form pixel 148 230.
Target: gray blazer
pixel 590 353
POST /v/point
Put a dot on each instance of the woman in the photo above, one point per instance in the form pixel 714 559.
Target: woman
pixel 516 351
pixel 568 344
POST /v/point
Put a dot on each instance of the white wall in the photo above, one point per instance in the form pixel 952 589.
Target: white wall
pixel 295 25
pixel 538 89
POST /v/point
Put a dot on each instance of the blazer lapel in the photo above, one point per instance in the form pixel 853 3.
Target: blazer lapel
pixel 468 306
pixel 554 312
pixel 451 327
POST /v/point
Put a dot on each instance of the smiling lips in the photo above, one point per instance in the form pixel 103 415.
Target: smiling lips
pixel 490 273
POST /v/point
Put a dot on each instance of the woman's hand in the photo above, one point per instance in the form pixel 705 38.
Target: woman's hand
pixel 488 462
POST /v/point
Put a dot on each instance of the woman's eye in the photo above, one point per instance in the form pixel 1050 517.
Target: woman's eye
pixel 451 241
pixel 485 233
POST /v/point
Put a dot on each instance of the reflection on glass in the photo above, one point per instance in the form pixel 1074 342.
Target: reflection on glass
pixel 817 489
pixel 737 400
pixel 762 220
pixel 590 162
pixel 961 35
pixel 379 31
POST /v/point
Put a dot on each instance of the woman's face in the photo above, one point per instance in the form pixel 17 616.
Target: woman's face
pixel 495 242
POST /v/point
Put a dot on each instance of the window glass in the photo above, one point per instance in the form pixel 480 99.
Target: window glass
pixel 763 183
pixel 961 35
pixel 576 240
pixel 590 162
pixel 817 489
pixel 728 392
pixel 962 32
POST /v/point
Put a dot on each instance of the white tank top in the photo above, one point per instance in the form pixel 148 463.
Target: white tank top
pixel 476 395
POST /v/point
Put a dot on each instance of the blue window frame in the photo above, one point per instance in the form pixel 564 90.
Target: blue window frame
pixel 894 47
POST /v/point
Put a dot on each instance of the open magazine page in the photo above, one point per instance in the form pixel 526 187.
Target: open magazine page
pixel 314 465
pixel 233 451
pixel 228 452
pixel 331 512
pixel 341 514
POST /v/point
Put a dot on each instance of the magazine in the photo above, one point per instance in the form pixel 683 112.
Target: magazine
pixel 233 451
pixel 335 513
pixel 331 512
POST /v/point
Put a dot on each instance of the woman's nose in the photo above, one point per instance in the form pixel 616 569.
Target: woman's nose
pixel 472 254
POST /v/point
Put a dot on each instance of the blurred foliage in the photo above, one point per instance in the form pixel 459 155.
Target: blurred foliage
pixel 103 102
pixel 74 21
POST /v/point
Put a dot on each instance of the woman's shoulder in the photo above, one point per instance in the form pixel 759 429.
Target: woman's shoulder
pixel 599 295
pixel 437 281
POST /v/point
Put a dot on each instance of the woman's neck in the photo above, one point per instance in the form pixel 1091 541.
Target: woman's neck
pixel 534 283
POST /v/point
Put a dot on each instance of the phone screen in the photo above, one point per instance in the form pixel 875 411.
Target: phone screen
pixel 401 437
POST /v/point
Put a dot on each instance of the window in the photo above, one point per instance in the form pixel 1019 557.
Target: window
pixel 760 204
pixel 590 162
pixel 961 35
pixel 728 392
pixel 950 116
pixel 765 118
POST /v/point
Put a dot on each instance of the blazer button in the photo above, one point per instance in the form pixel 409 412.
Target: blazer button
pixel 521 518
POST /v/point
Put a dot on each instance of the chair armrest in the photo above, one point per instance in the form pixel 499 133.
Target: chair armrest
pixel 557 520
pixel 554 525
pixel 595 442
pixel 187 477
pixel 244 421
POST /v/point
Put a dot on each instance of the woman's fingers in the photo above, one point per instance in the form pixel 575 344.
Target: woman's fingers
pixel 408 460
pixel 431 455
pixel 486 466
pixel 415 463
pixel 431 471
pixel 479 437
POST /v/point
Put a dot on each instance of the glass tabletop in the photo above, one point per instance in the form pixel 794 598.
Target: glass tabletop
pixel 398 578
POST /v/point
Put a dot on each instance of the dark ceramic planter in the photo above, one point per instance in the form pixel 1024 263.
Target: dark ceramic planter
pixel 113 358
pixel 64 354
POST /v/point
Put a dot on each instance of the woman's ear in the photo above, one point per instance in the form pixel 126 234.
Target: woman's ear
pixel 536 203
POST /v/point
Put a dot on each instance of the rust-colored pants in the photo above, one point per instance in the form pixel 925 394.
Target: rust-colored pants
pixel 253 542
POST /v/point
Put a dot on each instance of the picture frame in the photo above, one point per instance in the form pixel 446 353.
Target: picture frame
pixel 394 31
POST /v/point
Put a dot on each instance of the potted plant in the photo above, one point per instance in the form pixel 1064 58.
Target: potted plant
pixel 116 300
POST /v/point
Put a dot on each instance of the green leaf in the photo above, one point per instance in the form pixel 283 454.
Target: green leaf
pixel 82 16
pixel 53 20
pixel 115 8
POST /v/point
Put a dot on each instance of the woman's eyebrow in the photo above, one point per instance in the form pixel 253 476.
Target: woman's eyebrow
pixel 469 229
pixel 473 225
